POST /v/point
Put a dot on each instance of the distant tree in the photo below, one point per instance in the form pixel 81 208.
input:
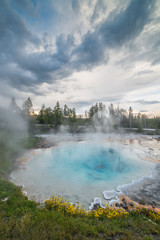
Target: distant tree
pixel 48 116
pixel 123 117
pixel 93 112
pixel 27 107
pixel 72 119
pixel 102 110
pixel 139 122
pixel 41 114
pixel 144 120
pixel 27 113
pixel 74 113
pixel 96 108
pixel 86 115
pixel 13 107
pixel 66 111
pixel 58 115
pixel 111 110
pixel 130 117
pixel 158 122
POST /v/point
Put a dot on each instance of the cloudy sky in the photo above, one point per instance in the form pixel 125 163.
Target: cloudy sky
pixel 80 52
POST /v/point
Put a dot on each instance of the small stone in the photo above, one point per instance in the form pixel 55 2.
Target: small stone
pixel 125 207
pixel 96 206
pixel 124 201
pixel 131 204
pixel 117 205
pixel 4 199
pixel 142 202
pixel 152 204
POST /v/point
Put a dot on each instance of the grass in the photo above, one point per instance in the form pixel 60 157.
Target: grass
pixel 11 145
pixel 24 219
pixel 21 219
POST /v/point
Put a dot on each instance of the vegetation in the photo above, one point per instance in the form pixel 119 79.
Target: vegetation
pixel 69 209
pixel 22 219
pixel 98 115
pixel 97 118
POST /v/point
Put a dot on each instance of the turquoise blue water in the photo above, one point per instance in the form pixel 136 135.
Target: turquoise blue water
pixel 91 163
pixel 81 171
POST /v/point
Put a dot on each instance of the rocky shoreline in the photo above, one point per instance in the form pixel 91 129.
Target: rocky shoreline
pixel 148 192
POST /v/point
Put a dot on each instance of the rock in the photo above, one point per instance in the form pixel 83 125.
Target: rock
pixel 153 206
pixel 142 202
pixel 131 204
pixel 117 205
pixel 4 199
pixel 96 206
pixel 124 201
pixel 125 207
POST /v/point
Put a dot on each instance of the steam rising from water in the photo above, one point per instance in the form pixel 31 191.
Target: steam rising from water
pixel 13 132
pixel 81 171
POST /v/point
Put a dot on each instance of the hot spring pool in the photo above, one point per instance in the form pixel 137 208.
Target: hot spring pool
pixel 80 171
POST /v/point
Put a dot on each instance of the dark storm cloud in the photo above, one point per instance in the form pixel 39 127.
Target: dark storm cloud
pixel 22 67
pixel 127 24
pixel 89 53
pixel 46 66
pixel 64 48
pixel 146 48
pixel 112 33
pixel 14 33
pixel 14 37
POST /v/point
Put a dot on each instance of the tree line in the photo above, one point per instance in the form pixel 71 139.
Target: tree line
pixel 116 117
pixel 98 117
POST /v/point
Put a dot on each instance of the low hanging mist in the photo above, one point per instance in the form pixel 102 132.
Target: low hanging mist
pixel 80 171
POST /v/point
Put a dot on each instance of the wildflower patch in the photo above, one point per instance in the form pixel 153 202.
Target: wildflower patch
pixel 63 206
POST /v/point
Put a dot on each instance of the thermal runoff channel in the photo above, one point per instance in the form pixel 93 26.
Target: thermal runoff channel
pixel 81 171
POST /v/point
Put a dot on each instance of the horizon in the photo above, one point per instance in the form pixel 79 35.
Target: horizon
pixel 80 53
